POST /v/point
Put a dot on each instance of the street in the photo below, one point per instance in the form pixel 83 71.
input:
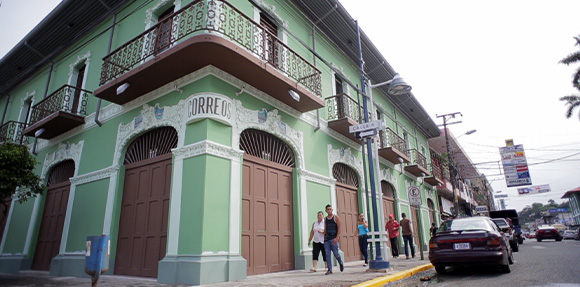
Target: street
pixel 546 263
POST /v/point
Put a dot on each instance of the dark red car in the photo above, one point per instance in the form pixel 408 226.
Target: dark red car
pixel 470 241
pixel 548 232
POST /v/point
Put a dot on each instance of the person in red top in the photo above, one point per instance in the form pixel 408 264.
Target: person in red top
pixel 392 227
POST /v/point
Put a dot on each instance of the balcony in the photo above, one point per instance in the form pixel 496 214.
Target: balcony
pixel 12 132
pixel 210 33
pixel 61 111
pixel 343 112
pixel 418 164
pixel 436 177
pixel 393 147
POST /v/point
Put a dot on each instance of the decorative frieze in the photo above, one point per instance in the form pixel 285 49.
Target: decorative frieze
pixel 65 151
pixel 345 156
pixel 206 147
pixel 95 175
pixel 316 178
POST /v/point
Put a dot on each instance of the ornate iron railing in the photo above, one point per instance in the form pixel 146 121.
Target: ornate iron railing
pixel 418 158
pixel 211 16
pixel 389 138
pixel 67 99
pixel 341 106
pixel 12 132
pixel 436 164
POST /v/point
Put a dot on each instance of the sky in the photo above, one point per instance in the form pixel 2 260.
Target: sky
pixel 494 61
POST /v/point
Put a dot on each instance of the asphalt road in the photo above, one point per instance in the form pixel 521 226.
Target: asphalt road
pixel 547 264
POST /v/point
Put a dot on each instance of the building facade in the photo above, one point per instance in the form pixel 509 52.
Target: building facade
pixel 203 137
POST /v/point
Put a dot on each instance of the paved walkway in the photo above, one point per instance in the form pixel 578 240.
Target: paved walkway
pixel 354 273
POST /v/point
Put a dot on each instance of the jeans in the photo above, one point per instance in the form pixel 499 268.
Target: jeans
pixel 329 246
pixel 408 239
pixel 394 246
pixel 362 243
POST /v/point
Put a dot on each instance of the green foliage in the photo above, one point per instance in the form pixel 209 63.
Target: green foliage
pixel 573 101
pixel 533 212
pixel 17 175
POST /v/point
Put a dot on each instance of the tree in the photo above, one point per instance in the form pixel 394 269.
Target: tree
pixel 573 101
pixel 17 177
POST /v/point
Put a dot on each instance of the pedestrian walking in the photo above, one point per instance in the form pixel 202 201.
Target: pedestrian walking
pixel 392 227
pixel 331 236
pixel 407 235
pixel 317 233
pixel 433 229
pixel 362 230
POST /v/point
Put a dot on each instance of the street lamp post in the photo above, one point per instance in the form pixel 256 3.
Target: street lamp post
pixel 396 87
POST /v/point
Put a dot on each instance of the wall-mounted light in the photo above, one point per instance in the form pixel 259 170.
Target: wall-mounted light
pixel 122 88
pixel 39 132
pixel 294 95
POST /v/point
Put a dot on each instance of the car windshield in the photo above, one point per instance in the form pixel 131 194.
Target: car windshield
pixel 465 224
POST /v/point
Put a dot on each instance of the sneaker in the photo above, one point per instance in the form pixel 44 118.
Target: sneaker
pixel 341 267
pixel 328 272
pixel 413 256
pixel 407 257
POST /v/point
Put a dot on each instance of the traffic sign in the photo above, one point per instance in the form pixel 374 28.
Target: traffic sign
pixel 368 133
pixel 415 196
pixel 366 126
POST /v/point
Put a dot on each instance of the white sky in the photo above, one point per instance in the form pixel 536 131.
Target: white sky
pixel 494 61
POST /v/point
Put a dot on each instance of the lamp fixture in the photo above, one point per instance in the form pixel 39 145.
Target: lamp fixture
pixel 294 95
pixel 39 132
pixel 121 89
pixel 397 86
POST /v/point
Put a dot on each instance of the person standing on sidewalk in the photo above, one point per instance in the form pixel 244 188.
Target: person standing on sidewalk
pixel 407 235
pixel 363 229
pixel 317 232
pixel 331 235
pixel 392 227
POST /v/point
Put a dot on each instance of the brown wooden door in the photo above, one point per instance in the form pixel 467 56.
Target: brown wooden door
pixel 347 207
pixel 267 222
pixel 415 222
pixel 142 240
pixel 50 234
pixel 388 203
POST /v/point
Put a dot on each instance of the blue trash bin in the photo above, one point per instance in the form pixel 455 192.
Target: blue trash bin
pixel 97 256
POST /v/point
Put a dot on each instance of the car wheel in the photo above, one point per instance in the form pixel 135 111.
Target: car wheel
pixel 559 239
pixel 538 239
pixel 521 241
pixel 440 269
pixel 515 246
pixel 506 268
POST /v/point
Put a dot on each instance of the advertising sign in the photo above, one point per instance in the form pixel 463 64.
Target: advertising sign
pixel 515 166
pixel 558 210
pixel 534 189
pixel 500 195
pixel 481 209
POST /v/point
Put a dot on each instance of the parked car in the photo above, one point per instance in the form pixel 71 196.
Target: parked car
pixel 548 232
pixel 508 232
pixel 512 214
pixel 532 235
pixel 569 234
pixel 470 241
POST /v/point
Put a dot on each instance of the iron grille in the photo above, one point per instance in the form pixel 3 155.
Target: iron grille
pixel 266 146
pixel 152 144
pixel 387 189
pixel 62 172
pixel 344 174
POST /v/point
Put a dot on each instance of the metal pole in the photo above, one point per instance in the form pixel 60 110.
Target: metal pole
pixel 450 167
pixel 378 263
pixel 421 235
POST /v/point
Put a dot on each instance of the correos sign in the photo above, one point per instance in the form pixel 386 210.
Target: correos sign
pixel 213 106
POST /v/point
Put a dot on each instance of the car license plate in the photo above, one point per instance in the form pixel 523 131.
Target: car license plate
pixel 462 246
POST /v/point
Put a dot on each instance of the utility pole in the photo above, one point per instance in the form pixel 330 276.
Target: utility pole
pixel 452 170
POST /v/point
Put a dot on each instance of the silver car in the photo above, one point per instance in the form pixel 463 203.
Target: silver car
pixel 569 234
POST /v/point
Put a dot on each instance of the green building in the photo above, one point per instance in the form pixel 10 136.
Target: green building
pixel 203 137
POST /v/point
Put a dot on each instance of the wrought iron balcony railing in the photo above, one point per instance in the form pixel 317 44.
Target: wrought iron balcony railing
pixel 67 99
pixel 216 17
pixel 389 138
pixel 12 132
pixel 437 170
pixel 418 158
pixel 342 106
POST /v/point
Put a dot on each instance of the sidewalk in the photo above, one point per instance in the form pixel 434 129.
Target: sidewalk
pixel 354 273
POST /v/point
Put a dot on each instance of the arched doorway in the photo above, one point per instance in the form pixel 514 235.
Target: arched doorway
pixel 267 204
pixel 431 207
pixel 50 234
pixel 415 221
pixel 388 203
pixel 142 236
pixel 347 205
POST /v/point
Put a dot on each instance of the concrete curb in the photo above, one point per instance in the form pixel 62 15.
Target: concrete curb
pixel 382 281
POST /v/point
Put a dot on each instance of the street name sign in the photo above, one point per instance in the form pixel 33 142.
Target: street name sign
pixel 366 126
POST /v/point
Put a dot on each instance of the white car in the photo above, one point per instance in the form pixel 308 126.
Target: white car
pixel 569 234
